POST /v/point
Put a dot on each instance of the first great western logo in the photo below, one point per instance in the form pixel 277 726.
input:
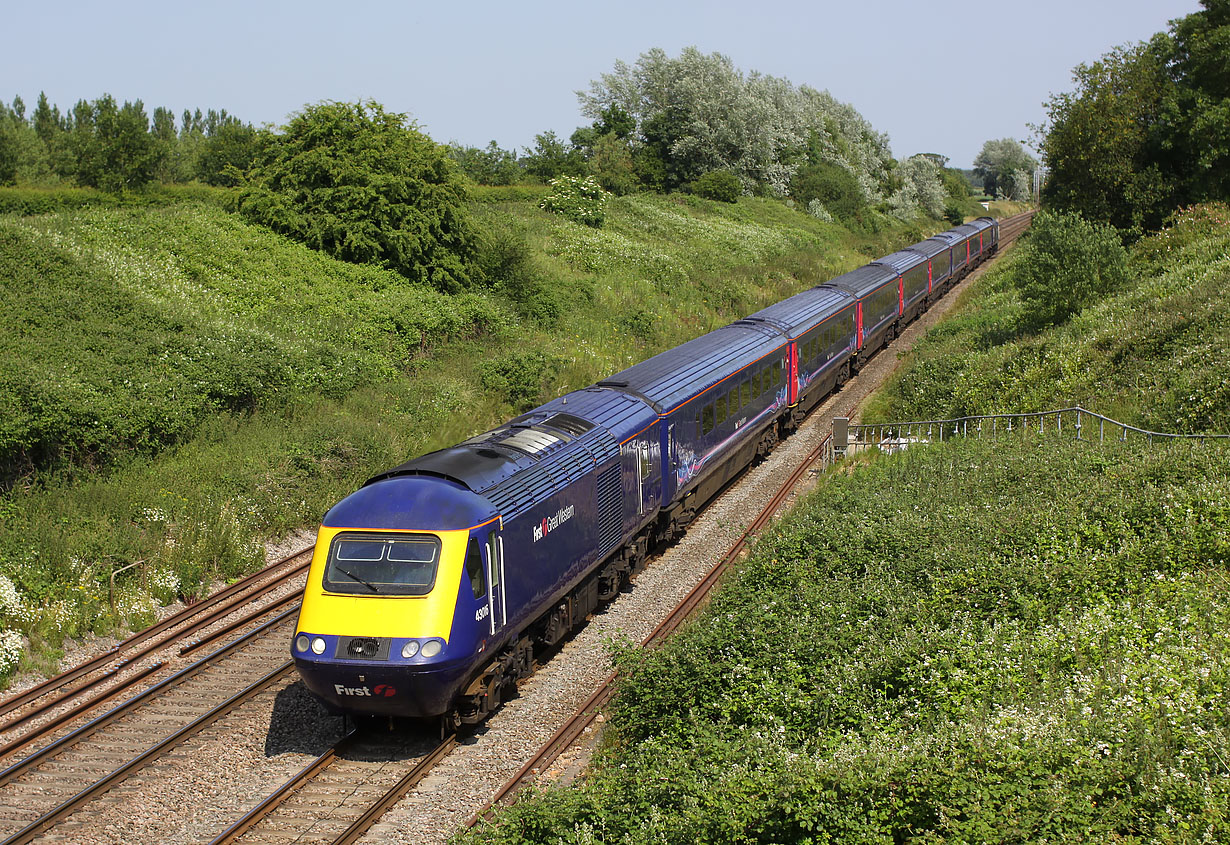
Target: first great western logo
pixel 550 523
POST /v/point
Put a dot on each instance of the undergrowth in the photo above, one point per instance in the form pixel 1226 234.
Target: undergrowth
pixel 1013 641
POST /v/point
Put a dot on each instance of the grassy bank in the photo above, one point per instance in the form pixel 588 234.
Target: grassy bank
pixel 991 642
pixel 1152 353
pixel 179 386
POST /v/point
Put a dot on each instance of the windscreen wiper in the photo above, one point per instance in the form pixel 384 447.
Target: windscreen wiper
pixel 362 581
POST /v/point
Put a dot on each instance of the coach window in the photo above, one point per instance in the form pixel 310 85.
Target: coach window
pixel 721 410
pixel 474 569
pixel 706 419
pixel 758 383
pixel 745 393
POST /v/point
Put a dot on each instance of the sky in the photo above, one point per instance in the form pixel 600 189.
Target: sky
pixel 940 78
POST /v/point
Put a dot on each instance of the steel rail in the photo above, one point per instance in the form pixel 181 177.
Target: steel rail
pixel 398 791
pixel 56 815
pixel 15 770
pixel 225 597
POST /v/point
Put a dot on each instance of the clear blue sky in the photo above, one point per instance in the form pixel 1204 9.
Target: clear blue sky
pixel 479 71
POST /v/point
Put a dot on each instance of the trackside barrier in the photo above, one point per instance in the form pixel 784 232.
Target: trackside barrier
pixel 1076 421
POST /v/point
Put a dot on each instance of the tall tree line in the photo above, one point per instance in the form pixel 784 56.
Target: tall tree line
pixel 103 144
pixel 1148 127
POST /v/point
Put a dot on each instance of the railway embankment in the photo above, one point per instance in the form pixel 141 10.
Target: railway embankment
pixel 180 387
pixel 1012 638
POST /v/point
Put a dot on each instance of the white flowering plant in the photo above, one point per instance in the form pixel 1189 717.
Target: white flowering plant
pixel 579 199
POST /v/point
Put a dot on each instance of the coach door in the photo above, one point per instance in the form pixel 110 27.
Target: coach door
pixel 496 600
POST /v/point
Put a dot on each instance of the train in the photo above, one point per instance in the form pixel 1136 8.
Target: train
pixel 434 586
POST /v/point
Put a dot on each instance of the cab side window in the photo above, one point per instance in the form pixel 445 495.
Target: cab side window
pixel 474 569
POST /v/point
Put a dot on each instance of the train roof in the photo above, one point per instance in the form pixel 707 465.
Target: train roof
pixel 982 223
pixel 518 463
pixel 672 377
pixel 902 260
pixel 864 280
pixel 929 248
pixel 803 311
pixel 965 230
pixel 952 236
pixel 411 503
pixel 622 414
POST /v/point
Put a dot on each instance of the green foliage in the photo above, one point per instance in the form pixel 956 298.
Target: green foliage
pixel 520 378
pixel 1001 165
pixel 552 158
pixel 984 642
pixel 697 113
pixel 1067 263
pixel 1146 129
pixel 833 186
pixel 1099 144
pixel 113 145
pixel 581 200
pixel 126 329
pixel 488 166
pixel 1150 353
pixel 506 263
pixel 228 153
pixel 363 185
pixel 26 201
pixel 721 185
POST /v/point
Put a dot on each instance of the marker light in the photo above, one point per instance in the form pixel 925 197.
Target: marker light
pixel 432 647
pixel 410 649
pixel 318 645
pixel 301 643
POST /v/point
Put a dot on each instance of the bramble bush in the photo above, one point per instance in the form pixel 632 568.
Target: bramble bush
pixel 579 199
pixel 365 186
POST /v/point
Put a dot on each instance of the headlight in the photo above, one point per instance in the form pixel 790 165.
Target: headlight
pixel 432 647
pixel 301 643
pixel 318 645
pixel 410 649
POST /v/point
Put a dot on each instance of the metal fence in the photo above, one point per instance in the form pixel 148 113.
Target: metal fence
pixel 1077 422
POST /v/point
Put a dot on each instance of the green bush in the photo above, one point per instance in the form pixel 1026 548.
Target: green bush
pixel 721 185
pixel 1067 263
pixel 836 188
pixel 579 199
pixel 365 186
pixel 520 377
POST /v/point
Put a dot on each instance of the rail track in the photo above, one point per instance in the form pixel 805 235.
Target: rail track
pixel 82 736
pixel 335 798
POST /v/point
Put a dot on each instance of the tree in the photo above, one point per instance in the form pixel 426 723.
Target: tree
pixel 112 145
pixel 997 165
pixel 489 166
pixel 9 145
pixel 226 153
pixel 551 158
pixel 1102 144
pixel 1200 111
pixel 365 185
